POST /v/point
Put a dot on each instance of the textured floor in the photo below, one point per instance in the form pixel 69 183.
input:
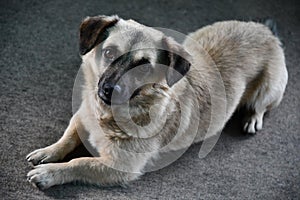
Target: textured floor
pixel 38 63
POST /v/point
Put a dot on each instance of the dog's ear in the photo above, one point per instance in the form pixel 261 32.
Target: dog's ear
pixel 177 60
pixel 93 31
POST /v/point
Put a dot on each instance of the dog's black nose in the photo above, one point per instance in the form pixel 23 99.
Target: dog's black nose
pixel 105 92
pixel 108 89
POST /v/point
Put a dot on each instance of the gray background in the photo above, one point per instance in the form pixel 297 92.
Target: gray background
pixel 39 62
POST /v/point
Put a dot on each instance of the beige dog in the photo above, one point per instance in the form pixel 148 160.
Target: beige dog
pixel 123 64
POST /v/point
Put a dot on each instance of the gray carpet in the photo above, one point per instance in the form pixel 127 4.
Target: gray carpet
pixel 39 62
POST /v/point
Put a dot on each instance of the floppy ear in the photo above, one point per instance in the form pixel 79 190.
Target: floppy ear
pixel 93 31
pixel 178 63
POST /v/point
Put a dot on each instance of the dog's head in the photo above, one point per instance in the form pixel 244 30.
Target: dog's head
pixel 130 57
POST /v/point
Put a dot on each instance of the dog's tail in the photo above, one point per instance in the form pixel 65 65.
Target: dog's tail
pixel 271 23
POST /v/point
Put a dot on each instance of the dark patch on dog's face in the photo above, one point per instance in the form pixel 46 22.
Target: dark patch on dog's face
pixel 123 76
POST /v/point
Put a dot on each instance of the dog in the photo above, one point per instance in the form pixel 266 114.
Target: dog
pixel 224 66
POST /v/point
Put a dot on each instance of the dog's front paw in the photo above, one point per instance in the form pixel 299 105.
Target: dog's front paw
pixel 46 175
pixel 44 155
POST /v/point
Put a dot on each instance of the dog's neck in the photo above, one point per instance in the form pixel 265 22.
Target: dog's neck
pixel 141 117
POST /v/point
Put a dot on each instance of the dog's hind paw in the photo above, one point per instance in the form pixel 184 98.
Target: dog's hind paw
pixel 253 123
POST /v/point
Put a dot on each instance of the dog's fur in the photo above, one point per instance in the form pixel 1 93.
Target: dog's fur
pixel 251 65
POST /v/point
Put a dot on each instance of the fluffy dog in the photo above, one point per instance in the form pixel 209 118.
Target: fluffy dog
pixel 160 80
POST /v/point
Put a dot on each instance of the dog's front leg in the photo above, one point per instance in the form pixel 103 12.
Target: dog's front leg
pixel 61 148
pixel 85 169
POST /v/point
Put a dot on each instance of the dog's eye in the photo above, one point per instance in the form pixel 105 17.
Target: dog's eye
pixel 109 53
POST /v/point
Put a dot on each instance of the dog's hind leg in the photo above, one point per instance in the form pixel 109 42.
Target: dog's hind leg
pixel 264 93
